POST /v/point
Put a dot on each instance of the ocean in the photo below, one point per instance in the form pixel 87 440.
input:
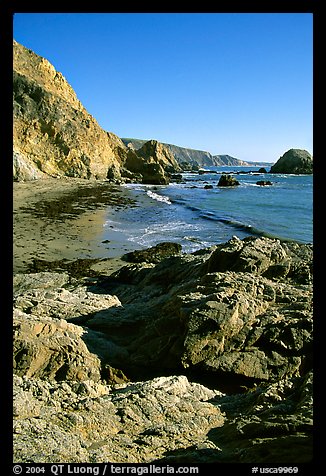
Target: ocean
pixel 199 217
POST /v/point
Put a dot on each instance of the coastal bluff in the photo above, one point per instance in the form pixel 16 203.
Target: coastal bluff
pixel 55 136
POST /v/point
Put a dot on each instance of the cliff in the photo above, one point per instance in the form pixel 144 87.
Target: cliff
pixel 190 156
pixel 53 134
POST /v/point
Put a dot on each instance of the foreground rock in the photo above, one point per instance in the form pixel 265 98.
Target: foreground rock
pixel 242 309
pixel 166 419
pixel 294 161
pixel 237 317
pixel 91 422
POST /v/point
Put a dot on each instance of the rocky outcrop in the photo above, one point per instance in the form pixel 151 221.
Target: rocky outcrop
pixel 236 317
pixel 53 133
pixel 266 424
pixel 242 309
pixel 153 162
pixel 92 422
pixel 294 161
pixel 264 182
pixel 227 180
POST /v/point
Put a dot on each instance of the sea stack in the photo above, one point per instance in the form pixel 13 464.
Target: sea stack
pixel 294 161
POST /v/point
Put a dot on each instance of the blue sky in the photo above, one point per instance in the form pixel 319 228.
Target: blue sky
pixel 229 83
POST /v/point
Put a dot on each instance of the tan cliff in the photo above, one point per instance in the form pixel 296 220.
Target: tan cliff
pixel 53 133
pixel 55 136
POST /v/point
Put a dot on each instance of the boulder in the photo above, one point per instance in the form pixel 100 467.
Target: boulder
pixel 264 182
pixel 51 349
pixel 150 171
pixel 226 180
pixel 265 424
pixel 154 254
pixel 294 161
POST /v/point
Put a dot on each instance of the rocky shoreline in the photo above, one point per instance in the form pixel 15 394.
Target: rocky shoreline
pixel 155 356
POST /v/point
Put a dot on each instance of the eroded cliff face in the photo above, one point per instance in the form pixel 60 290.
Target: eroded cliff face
pixel 55 136
pixel 53 133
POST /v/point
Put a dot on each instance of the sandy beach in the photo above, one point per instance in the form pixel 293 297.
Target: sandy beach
pixel 63 219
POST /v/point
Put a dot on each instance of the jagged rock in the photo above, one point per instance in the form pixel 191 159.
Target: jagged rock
pixel 91 422
pixel 153 161
pixel 166 420
pixel 294 161
pixel 44 294
pixel 44 298
pixel 155 254
pixel 267 424
pixel 239 312
pixel 51 349
pixel 243 308
pixel 227 180
pixel 25 169
pixel 154 150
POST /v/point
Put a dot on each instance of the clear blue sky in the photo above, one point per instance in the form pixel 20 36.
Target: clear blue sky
pixel 229 83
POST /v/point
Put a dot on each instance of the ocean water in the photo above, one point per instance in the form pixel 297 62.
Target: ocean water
pixel 196 217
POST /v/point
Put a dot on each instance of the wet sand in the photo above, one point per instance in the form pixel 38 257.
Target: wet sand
pixel 63 219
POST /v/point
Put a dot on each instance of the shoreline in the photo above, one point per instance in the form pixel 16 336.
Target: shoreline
pixel 197 333
pixel 63 219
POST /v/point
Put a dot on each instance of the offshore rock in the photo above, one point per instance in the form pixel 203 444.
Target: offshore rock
pixel 227 180
pixel 294 161
pixel 264 182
